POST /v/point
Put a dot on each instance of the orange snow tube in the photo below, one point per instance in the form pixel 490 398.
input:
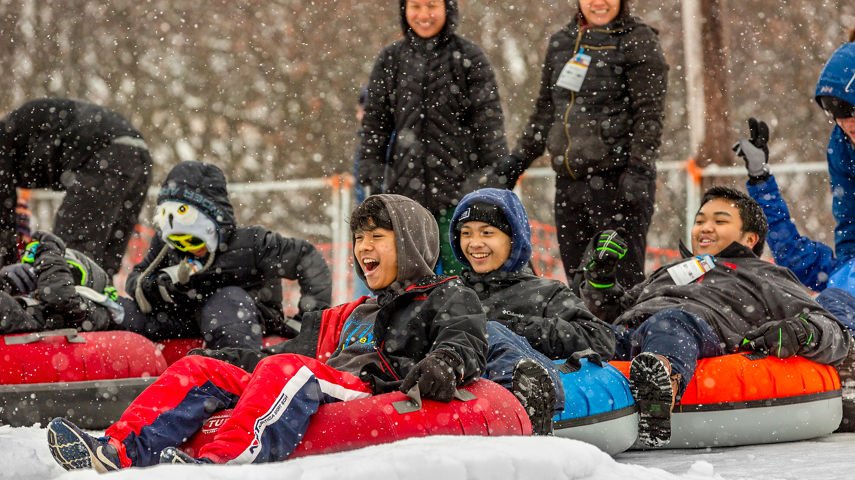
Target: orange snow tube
pixel 485 409
pixel 744 399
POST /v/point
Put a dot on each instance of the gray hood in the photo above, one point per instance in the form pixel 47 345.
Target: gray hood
pixel 416 238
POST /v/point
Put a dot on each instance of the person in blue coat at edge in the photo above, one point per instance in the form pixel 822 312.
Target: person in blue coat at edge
pixel 813 262
pixel 491 236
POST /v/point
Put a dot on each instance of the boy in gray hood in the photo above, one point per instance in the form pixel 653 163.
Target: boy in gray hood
pixel 419 330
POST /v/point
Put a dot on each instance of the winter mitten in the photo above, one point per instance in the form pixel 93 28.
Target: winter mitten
pixel 159 287
pixel 755 151
pixel 18 279
pixel 606 249
pixel 781 338
pixel 436 376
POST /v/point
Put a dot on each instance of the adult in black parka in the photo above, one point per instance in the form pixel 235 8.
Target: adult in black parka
pixel 602 135
pixel 91 152
pixel 433 104
pixel 230 290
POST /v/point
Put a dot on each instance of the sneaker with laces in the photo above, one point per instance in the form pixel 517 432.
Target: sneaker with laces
pixel 174 455
pixel 654 390
pixel 73 448
pixel 534 389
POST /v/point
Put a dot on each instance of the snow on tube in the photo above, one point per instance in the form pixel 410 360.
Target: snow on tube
pixel 174 349
pixel 88 377
pixel 598 407
pixel 745 399
pixel 486 409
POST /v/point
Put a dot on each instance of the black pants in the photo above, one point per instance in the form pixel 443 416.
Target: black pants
pixel 585 207
pixel 227 318
pixel 102 203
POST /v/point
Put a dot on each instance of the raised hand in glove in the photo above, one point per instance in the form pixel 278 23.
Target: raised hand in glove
pixel 48 241
pixel 755 150
pixel 781 338
pixel 436 376
pixel 606 249
pixel 18 279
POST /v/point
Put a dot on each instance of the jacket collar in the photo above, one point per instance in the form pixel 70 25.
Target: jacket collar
pixel 734 250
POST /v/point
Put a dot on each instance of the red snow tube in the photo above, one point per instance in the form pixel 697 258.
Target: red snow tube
pixel 750 398
pixel 89 377
pixel 176 348
pixel 341 426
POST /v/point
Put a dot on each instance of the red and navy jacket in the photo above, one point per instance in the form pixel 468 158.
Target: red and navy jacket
pixel 435 313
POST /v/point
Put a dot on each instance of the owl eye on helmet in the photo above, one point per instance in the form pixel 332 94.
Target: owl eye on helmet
pixel 185 242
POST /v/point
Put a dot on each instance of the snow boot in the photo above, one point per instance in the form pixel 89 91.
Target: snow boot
pixel 846 369
pixel 534 389
pixel 73 448
pixel 174 455
pixel 654 390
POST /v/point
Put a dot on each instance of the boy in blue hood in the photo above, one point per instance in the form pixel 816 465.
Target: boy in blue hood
pixel 205 276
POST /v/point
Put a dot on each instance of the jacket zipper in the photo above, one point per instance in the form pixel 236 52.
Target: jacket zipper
pixel 384 362
pixel 573 99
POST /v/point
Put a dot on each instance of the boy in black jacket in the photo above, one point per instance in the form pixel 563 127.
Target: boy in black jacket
pixel 420 330
pixel 205 276
pixel 719 299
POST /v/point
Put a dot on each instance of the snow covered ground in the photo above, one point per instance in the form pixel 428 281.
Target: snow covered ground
pixel 24 456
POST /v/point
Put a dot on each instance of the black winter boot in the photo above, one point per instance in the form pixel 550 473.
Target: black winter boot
pixel 534 389
pixel 654 390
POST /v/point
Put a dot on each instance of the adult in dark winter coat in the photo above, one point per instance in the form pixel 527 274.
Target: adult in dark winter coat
pixel 434 97
pixel 205 276
pixel 429 331
pixel 56 287
pixel 719 299
pixel 491 236
pixel 599 114
pixel 91 152
pixel 835 93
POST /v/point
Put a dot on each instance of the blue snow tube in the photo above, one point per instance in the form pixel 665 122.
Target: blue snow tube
pixel 598 406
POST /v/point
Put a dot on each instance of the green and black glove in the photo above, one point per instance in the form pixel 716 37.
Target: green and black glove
pixel 781 338
pixel 606 249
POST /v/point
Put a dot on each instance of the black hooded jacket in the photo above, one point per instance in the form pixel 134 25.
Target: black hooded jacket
pixel 741 293
pixel 440 99
pixel 253 258
pixel 614 122
pixel 417 314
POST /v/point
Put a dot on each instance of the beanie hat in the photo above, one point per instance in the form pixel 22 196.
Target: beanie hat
pixel 487 213
pixel 509 216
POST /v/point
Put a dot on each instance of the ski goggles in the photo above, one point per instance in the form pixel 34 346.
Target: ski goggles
pixel 185 242
pixel 837 107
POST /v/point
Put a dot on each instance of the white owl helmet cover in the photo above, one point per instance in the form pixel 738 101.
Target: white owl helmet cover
pixel 207 212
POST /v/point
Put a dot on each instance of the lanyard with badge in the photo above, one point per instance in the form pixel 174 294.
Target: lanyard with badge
pixel 691 269
pixel 574 71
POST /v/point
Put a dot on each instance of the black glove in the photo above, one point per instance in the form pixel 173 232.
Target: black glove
pixel 781 338
pixel 436 375
pixel 18 279
pixel 159 287
pixel 49 242
pixel 508 171
pixel 634 186
pixel 755 151
pixel 605 250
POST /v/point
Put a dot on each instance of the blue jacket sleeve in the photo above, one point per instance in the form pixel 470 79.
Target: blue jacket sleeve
pixel 811 261
pixel 841 170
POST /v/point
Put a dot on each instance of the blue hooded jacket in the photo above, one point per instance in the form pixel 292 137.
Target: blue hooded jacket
pixel 514 212
pixel 838 80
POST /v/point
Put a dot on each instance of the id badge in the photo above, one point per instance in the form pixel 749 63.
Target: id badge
pixel 692 269
pixel 574 71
